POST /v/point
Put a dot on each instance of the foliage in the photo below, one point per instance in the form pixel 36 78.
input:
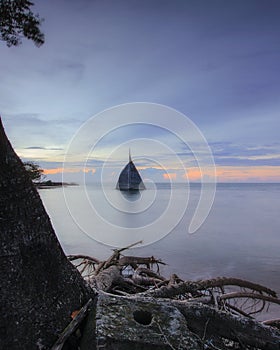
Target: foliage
pixel 18 21
pixel 34 171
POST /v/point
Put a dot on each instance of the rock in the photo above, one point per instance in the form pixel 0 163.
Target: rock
pixel 121 323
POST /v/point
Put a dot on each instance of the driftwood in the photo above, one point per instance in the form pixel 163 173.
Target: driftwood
pixel 71 328
pixel 209 323
pixel 217 313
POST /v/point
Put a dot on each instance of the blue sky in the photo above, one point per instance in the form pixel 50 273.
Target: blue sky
pixel 216 61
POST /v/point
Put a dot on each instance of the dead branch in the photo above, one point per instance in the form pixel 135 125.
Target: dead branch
pixel 240 329
pixel 146 277
pixel 129 286
pixel 273 323
pixel 193 287
pixel 73 325
pixel 235 295
pixel 128 247
pixel 230 281
pixel 147 272
pixel 83 257
pixel 235 310
pixel 214 309
pixel 139 260
pixel 174 279
pixel 105 280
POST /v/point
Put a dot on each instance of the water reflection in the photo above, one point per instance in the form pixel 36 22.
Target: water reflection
pixel 240 238
pixel 131 195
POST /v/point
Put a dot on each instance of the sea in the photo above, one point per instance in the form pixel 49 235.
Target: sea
pixel 231 229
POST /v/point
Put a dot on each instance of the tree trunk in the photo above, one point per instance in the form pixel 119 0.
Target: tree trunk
pixel 39 287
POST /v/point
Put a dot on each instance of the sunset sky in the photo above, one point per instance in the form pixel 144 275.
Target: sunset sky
pixel 215 61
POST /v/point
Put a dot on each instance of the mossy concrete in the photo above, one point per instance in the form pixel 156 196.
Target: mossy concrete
pixel 121 323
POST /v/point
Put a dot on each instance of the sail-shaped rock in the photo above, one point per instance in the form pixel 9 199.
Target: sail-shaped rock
pixel 130 179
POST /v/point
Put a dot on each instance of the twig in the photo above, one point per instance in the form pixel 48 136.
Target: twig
pixel 194 287
pixel 85 257
pixel 165 337
pixel 235 295
pixel 205 329
pixel 237 310
pixel 273 323
pixel 128 247
pixel 72 326
pixel 139 260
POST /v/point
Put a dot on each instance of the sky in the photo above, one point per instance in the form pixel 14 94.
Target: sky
pixel 216 62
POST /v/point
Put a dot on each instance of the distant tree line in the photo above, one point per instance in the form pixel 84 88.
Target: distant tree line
pixel 35 172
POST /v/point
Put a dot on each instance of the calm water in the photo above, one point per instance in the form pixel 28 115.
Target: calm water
pixel 240 237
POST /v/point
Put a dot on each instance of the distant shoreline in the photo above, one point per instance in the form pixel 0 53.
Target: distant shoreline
pixel 52 184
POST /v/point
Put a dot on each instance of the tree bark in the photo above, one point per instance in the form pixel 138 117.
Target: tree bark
pixel 205 321
pixel 39 286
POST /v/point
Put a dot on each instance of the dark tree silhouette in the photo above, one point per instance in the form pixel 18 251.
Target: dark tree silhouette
pixel 39 287
pixel 18 21
pixel 34 171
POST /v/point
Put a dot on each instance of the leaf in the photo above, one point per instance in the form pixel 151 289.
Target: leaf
pixel 74 314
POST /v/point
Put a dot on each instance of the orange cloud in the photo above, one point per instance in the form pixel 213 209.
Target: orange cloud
pixel 169 176
pixel 237 174
pixel 68 170
pixel 260 173
pixel 223 173
pixel 193 174
pixel 53 171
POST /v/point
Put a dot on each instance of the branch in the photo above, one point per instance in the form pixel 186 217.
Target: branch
pixel 273 323
pixel 235 295
pixel 72 326
pixel 128 247
pixel 193 287
pixel 85 257
pixel 146 277
pixel 243 330
pixel 139 260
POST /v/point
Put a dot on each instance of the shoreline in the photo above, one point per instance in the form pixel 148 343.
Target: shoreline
pixel 51 184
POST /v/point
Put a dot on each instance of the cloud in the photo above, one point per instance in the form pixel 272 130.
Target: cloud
pixel 228 153
pixel 68 170
pixel 194 174
pixel 54 171
pixel 33 132
pixel 248 174
pixel 44 148
pixel 34 147
pixel 64 69
pixel 169 176
pixel 226 82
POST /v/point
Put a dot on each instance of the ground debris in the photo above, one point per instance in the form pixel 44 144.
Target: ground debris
pixel 218 313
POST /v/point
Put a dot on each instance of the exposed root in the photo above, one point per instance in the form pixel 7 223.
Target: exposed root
pixel 139 277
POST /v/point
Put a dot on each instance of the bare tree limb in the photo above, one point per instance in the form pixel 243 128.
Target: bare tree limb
pixel 235 295
pixel 73 325
pixel 84 257
pixel 192 287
